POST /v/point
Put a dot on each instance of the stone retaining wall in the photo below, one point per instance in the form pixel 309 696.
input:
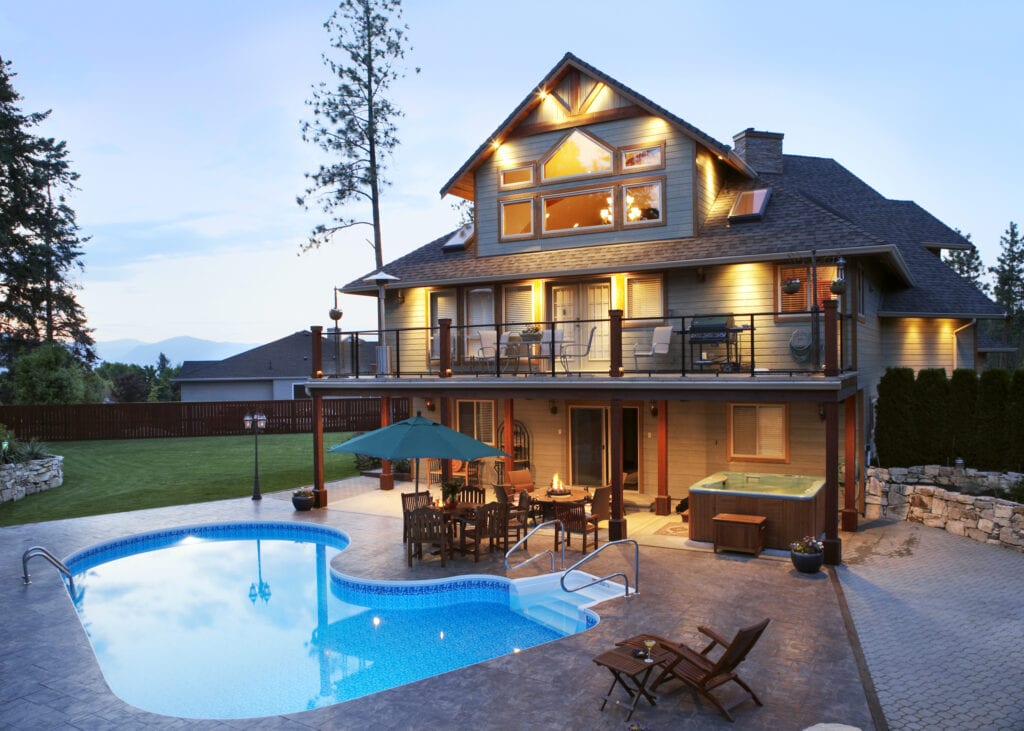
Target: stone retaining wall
pixel 931 495
pixel 26 478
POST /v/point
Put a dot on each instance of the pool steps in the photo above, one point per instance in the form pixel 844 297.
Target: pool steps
pixel 542 599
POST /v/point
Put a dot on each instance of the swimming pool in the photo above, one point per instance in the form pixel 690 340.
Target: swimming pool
pixel 248 619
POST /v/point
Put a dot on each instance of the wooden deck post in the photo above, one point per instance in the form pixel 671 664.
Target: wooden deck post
pixel 662 503
pixel 615 344
pixel 445 349
pixel 848 518
pixel 617 523
pixel 387 479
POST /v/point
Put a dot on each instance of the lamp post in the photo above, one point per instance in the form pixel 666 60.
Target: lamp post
pixel 3 455
pixel 381 279
pixel 335 314
pixel 255 423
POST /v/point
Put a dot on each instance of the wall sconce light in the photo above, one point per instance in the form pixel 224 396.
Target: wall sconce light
pixel 654 408
pixel 429 404
pixel 401 296
pixel 552 407
pixel 701 274
pixel 821 411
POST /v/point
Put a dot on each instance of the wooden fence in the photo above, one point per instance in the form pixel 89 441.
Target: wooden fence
pixel 80 422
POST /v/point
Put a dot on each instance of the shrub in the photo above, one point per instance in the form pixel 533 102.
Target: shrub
pixel 931 425
pixel 1016 492
pixel 894 418
pixel 1015 423
pixel 993 442
pixel 963 401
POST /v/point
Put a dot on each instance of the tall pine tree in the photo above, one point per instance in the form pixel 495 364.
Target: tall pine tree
pixel 1009 288
pixel 968 264
pixel 39 238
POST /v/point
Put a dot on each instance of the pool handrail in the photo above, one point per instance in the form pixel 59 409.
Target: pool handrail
pixel 56 562
pixel 546 552
pixel 636 568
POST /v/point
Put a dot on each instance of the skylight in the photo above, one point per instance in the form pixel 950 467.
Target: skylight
pixel 750 205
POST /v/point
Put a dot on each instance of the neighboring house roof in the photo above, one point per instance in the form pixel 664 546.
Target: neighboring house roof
pixel 992 344
pixel 461 183
pixel 284 358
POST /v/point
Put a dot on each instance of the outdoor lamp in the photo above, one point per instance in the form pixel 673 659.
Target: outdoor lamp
pixel 255 423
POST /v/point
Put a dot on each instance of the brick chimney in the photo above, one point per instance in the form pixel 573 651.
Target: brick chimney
pixel 760 150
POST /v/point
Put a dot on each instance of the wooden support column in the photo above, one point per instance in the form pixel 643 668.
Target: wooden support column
pixel 617 523
pixel 662 503
pixel 508 445
pixel 316 364
pixel 833 545
pixel 615 343
pixel 445 349
pixel 848 519
pixel 387 479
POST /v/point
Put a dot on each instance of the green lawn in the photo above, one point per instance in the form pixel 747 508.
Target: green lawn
pixel 132 474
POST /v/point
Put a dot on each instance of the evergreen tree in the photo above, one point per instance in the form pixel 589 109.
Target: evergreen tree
pixel 356 122
pixel 39 238
pixel 962 410
pixel 991 414
pixel 968 264
pixel 163 387
pixel 1009 290
pixel 1015 427
pixel 931 425
pixel 49 374
pixel 894 418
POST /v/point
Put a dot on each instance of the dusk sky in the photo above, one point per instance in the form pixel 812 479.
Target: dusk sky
pixel 183 120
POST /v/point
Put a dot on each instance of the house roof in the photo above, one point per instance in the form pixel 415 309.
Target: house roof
pixel 287 357
pixel 461 183
pixel 816 205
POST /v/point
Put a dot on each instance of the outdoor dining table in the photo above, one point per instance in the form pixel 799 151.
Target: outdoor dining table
pixel 547 500
pixel 456 517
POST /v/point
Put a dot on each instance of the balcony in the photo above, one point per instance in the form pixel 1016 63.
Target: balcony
pixel 702 346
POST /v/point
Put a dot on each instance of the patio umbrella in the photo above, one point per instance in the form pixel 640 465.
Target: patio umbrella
pixel 416 438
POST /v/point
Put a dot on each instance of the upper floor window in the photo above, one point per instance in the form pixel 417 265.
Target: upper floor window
pixel 517 218
pixel 475 419
pixel 577 155
pixel 516 177
pixel 758 432
pixel 589 209
pixel 642 158
pixel 642 203
pixel 799 298
pixel 644 297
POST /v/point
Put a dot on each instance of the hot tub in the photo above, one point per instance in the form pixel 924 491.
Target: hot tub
pixel 793 504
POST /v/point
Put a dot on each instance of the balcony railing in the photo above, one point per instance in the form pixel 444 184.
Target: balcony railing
pixel 701 344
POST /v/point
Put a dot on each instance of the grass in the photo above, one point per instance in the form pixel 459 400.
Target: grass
pixel 133 474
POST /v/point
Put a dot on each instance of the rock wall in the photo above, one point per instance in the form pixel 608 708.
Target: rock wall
pixel 25 478
pixel 941 497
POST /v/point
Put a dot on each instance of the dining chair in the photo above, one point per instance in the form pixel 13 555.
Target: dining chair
pixel 473 495
pixel 550 346
pixel 487 353
pixel 600 506
pixel 476 529
pixel 660 341
pixel 428 525
pixel 573 518
pixel 577 351
pixel 411 501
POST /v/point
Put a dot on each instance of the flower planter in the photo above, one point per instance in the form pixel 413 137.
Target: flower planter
pixel 531 337
pixel 838 286
pixel 807 563
pixel 791 286
pixel 303 502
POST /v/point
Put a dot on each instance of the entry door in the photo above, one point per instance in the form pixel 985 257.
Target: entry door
pixel 571 303
pixel 588 445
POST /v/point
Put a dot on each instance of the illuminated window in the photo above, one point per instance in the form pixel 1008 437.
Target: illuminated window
pixel 642 203
pixel 750 204
pixel 476 419
pixel 644 297
pixel 518 302
pixel 758 432
pixel 642 158
pixel 579 211
pixel 577 155
pixel 517 177
pixel 800 301
pixel 516 219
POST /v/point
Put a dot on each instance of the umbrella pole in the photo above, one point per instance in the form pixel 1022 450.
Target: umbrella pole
pixel 416 489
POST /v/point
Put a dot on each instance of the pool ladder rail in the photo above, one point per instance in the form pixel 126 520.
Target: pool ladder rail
pixel 566 571
pixel 56 562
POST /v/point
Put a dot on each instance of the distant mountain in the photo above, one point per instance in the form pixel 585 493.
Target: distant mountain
pixel 176 349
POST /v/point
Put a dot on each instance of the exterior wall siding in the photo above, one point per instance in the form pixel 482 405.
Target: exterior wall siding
pixel 232 391
pixel 919 343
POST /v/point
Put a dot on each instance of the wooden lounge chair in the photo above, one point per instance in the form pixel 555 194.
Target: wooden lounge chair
pixel 574 520
pixel 427 525
pixel 697 670
pixel 411 501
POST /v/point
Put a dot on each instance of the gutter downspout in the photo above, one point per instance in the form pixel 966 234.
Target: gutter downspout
pixel 956 332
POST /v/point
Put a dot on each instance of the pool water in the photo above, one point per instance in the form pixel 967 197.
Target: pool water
pixel 222 622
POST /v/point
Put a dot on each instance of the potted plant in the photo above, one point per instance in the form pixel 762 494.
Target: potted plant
pixel 530 332
pixel 807 555
pixel 450 490
pixel 838 286
pixel 303 499
pixel 791 286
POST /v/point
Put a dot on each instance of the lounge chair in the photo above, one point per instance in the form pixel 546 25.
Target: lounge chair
pixel 573 517
pixel 427 525
pixel 701 673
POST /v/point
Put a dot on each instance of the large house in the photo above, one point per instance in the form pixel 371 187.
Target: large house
pixel 702 308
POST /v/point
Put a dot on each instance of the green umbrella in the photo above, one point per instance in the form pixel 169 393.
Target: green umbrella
pixel 416 438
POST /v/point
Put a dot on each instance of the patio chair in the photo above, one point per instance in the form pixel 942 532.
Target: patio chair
pixel 577 351
pixel 600 506
pixel 427 525
pixel 551 340
pixel 476 529
pixel 411 501
pixel 573 517
pixel 660 341
pixel 473 495
pixel 702 674
pixel 487 352
pixel 520 480
pixel 517 521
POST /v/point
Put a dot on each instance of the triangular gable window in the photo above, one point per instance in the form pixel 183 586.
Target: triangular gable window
pixel 750 205
pixel 578 155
